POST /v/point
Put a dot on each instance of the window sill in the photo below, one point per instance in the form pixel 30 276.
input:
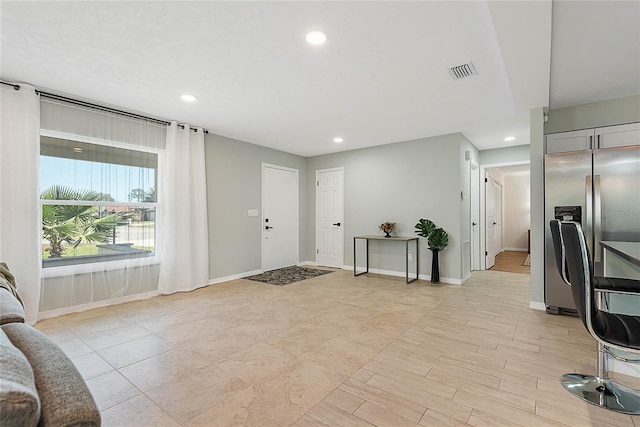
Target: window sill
pixel 89 264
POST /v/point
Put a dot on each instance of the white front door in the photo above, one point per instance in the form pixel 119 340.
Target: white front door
pixel 330 217
pixel 490 218
pixel 279 217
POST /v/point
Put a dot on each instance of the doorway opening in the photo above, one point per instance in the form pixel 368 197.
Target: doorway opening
pixel 504 213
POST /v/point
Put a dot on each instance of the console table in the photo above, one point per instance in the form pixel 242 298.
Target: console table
pixel 366 238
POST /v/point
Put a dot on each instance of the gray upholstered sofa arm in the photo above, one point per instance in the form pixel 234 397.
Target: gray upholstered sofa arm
pixel 11 310
pixel 64 397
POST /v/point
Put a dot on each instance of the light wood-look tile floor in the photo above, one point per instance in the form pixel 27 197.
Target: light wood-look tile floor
pixel 511 262
pixel 335 351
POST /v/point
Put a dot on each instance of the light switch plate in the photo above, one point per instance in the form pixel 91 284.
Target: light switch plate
pixel 253 212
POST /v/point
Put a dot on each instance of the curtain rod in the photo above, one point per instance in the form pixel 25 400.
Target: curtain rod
pixel 99 107
pixel 13 85
pixel 110 109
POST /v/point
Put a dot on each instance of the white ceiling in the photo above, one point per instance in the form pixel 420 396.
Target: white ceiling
pixel 595 51
pixel 380 78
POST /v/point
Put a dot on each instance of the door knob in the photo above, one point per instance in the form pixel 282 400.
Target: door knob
pixel 337 223
pixel 495 223
pixel 266 227
pixel 474 223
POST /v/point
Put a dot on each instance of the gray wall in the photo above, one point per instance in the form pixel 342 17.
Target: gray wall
pixel 586 116
pixel 234 185
pixel 519 153
pixel 401 183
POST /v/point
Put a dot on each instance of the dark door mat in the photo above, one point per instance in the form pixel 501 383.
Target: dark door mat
pixel 287 275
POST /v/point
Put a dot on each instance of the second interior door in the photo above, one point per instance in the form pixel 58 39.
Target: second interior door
pixel 329 218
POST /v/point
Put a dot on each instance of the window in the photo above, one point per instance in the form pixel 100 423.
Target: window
pixel 98 200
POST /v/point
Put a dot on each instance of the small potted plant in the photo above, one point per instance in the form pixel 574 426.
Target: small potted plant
pixel 388 228
pixel 437 239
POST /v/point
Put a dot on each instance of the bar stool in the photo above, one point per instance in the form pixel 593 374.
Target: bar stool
pixel 610 330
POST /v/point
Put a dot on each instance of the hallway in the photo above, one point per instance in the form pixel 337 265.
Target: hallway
pixel 511 262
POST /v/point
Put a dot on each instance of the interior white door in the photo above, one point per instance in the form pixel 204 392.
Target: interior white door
pixel 498 215
pixel 490 219
pixel 475 216
pixel 330 217
pixel 279 217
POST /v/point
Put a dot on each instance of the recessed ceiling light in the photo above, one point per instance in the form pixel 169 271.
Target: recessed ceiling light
pixel 510 138
pixel 77 149
pixel 188 98
pixel 338 140
pixel 316 37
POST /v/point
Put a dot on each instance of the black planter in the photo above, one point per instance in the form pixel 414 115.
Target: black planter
pixel 435 266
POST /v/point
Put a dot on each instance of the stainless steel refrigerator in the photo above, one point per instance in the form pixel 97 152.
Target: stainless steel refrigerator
pixel 591 176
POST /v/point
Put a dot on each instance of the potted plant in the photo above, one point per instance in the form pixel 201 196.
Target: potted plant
pixel 437 239
pixel 388 228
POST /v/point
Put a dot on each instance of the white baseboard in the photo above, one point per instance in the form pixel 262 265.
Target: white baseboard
pixel 97 304
pixel 403 274
pixel 515 249
pixel 234 276
pixel 535 305
pixel 309 263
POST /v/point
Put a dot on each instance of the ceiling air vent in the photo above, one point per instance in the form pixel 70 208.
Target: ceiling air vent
pixel 462 71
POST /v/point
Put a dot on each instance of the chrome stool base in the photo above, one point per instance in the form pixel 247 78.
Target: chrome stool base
pixel 603 392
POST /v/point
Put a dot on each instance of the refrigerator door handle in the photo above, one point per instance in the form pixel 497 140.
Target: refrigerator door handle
pixel 597 219
pixel 587 223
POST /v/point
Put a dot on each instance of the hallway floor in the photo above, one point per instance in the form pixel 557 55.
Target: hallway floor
pixel 511 262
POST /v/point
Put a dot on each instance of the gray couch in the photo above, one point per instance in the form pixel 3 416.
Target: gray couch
pixel 39 385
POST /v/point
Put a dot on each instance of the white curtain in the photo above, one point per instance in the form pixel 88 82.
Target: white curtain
pixel 89 149
pixel 185 248
pixel 19 208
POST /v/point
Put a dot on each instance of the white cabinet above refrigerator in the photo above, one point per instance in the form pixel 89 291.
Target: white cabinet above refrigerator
pixel 597 138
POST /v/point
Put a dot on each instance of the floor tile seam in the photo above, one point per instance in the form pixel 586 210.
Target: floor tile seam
pixel 321 400
pixel 133 363
pixel 210 408
pixel 559 423
pixel 568 407
pixel 505 403
pixel 369 422
pixel 147 397
pixel 470 368
pixel 139 392
pixel 107 331
pixel 505 399
pixel 126 342
pixel 412 387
